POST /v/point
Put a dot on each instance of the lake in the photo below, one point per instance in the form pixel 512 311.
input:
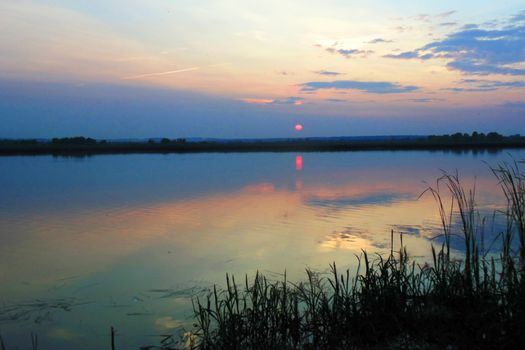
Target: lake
pixel 127 240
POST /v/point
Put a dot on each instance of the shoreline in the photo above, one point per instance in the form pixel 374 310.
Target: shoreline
pixel 10 148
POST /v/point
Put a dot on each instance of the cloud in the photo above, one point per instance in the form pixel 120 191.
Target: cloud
pixel 297 101
pixel 146 75
pixel 478 51
pixel 372 87
pixel 256 101
pixel 448 24
pixel 445 14
pixel 379 41
pixel 325 72
pixel 470 26
pixel 427 56
pixel 337 100
pixel 404 55
pixel 482 85
pixel 140 76
pixel 422 18
pixel 488 84
pixel 407 55
pixel 349 53
pixel 468 89
pixel 520 17
pixel 493 24
pixel 424 100
pixel 482 52
pixel 514 104
pixel 474 68
pixel 401 29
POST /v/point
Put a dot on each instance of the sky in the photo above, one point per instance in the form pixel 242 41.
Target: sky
pixel 246 69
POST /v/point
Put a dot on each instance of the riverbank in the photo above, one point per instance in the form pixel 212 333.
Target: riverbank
pixel 87 146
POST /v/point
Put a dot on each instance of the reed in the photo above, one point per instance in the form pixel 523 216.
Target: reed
pixel 512 181
pixel 34 341
pixel 2 345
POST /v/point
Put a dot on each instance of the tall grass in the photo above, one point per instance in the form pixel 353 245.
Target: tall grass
pixel 470 300
pixel 512 181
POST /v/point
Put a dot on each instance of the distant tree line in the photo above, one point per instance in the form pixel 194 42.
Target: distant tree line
pixel 166 140
pixel 80 140
pixel 77 140
pixel 20 142
pixel 475 136
pixel 80 144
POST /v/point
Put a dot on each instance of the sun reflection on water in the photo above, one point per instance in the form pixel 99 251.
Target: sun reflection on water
pixel 298 162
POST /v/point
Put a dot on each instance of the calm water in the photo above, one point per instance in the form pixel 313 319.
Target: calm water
pixel 126 240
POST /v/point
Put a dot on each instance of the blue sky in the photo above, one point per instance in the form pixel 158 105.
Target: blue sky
pixel 225 68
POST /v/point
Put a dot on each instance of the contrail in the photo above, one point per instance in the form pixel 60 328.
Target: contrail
pixel 161 73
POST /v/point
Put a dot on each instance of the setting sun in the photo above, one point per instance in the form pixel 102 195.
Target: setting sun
pixel 298 127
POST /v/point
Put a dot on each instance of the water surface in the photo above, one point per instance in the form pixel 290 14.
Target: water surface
pixel 126 240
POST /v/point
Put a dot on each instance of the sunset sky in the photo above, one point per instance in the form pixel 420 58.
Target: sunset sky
pixel 236 69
